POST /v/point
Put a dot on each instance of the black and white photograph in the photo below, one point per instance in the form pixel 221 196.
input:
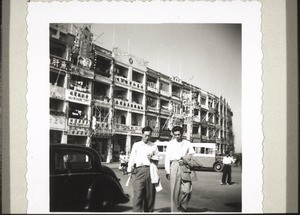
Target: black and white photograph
pixel 144 115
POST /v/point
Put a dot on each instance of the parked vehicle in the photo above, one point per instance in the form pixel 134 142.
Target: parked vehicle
pixel 205 154
pixel 79 182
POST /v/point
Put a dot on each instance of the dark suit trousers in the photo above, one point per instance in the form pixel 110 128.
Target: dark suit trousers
pixel 143 191
pixel 226 173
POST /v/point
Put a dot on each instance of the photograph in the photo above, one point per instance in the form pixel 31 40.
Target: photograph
pixel 109 83
pixel 144 107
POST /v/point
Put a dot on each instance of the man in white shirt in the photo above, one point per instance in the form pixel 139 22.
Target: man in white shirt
pixel 228 161
pixel 139 168
pixel 181 189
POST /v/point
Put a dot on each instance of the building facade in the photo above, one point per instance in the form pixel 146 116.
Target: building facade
pixel 103 98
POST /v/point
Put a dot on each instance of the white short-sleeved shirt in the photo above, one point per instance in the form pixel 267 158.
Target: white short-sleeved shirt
pixel 141 153
pixel 175 150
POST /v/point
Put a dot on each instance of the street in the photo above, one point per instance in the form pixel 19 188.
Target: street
pixel 207 195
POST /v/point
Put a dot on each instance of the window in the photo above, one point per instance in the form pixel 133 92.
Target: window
pixel 72 161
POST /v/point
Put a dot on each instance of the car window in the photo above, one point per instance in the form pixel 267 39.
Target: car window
pixel 72 161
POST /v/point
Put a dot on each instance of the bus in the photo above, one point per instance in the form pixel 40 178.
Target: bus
pixel 205 155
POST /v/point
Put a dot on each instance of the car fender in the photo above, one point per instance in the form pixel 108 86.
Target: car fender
pixel 105 186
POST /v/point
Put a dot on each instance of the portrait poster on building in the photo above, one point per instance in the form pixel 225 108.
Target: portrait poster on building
pixel 98 72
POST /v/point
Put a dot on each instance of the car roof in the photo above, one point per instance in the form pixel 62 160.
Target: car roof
pixel 72 146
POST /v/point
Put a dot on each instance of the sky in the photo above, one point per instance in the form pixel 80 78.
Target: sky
pixel 205 55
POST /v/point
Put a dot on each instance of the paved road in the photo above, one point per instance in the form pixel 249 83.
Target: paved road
pixel 208 195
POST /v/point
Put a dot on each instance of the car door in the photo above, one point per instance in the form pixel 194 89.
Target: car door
pixel 72 174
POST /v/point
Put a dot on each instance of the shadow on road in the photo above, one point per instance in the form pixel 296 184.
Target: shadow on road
pixel 237 205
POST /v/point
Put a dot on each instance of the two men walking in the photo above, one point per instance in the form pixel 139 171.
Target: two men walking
pixel 176 166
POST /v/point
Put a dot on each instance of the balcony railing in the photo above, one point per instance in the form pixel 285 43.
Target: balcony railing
pixel 82 72
pixel 204 137
pixel 137 85
pixel 152 87
pixel 196 119
pixel 165 111
pixel 126 82
pixel 121 128
pixel 154 109
pixel 196 136
pixel 57 122
pixel 102 129
pixel 79 132
pixel 102 99
pixel 104 73
pixel 79 97
pixel 122 80
pixel 79 122
pixel 135 129
pixel 126 104
pixel 57 92
pixel 165 93
pixel 218 140
pixel 176 95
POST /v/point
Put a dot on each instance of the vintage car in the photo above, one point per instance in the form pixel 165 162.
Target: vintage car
pixel 79 182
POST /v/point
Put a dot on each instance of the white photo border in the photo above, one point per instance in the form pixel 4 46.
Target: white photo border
pixel 41 14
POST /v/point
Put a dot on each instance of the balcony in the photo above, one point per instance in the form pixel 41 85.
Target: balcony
pixel 125 82
pixel 57 122
pixel 57 92
pixel 135 129
pixel 126 104
pixel 218 140
pixel 165 111
pixel 102 130
pixel 137 85
pixel 218 127
pixel 102 100
pixel 122 80
pixel 103 75
pixel 78 97
pixel 79 122
pixel 152 87
pixel 84 72
pixel 153 109
pixel 212 139
pixel 178 115
pixel 79 131
pixel 60 63
pixel 204 123
pixel 121 128
pixel 204 138
pixel 211 124
pixel 196 136
pixel 212 110
pixel 196 119
pixel 175 95
pixel 165 93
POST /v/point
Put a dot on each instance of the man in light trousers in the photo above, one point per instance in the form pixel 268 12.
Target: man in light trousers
pixel 181 189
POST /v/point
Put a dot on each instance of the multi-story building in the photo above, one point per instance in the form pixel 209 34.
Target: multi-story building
pixel 103 98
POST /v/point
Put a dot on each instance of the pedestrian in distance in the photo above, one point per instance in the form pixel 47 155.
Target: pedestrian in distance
pixel 177 171
pixel 123 162
pixel 144 191
pixel 228 161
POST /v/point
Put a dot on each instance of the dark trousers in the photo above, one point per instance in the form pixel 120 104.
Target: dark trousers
pixel 226 173
pixel 143 191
